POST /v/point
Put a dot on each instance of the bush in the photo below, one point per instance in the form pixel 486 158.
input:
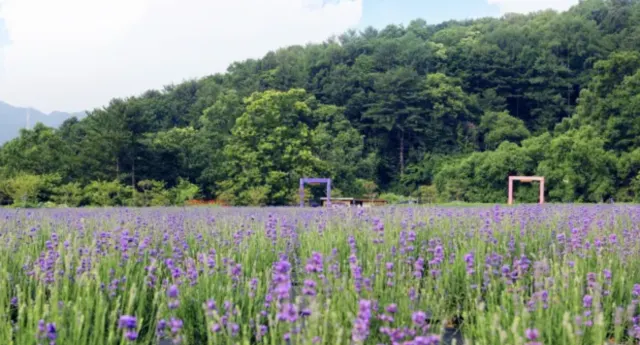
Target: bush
pixel 70 194
pixel 427 194
pixel 108 193
pixel 23 189
pixel 152 193
pixel 392 198
pixel 184 191
pixel 257 196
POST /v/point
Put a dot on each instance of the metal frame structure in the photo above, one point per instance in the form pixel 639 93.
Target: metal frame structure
pixel 526 179
pixel 315 180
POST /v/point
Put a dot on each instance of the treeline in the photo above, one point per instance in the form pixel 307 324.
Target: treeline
pixel 445 112
pixel 28 190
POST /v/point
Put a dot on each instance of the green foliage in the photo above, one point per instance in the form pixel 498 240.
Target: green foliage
pixel 70 194
pixel 496 128
pixel 427 194
pixel 108 193
pixel 458 106
pixel 367 188
pixel 270 148
pixel 24 188
pixel 578 168
pixel 184 191
pixel 392 198
pixel 151 193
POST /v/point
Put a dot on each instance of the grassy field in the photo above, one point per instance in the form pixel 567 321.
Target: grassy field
pixel 500 275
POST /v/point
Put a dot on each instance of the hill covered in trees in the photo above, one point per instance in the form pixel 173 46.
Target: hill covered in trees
pixel 445 112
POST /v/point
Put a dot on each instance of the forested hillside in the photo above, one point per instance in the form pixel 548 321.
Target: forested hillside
pixel 445 112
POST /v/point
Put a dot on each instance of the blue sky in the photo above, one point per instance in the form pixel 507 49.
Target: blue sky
pixel 379 13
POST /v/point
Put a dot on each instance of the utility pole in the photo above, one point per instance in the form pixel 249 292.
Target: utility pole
pixel 28 119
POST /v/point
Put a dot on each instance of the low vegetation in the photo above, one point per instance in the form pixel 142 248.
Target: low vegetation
pixel 518 275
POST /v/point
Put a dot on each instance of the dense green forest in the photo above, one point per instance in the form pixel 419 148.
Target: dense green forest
pixel 444 112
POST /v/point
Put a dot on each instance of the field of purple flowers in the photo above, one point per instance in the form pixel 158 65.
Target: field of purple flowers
pixel 501 275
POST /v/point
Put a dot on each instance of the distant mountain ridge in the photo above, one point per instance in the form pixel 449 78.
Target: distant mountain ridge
pixel 12 119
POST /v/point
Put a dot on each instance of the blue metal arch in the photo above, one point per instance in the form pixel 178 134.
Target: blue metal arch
pixel 304 180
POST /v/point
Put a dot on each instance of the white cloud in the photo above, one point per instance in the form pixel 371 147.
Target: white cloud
pixel 78 54
pixel 526 6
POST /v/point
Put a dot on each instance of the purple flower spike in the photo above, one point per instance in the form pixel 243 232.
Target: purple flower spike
pixel 392 308
pixel 131 335
pixel 288 312
pixel 51 331
pixel 173 292
pixel 128 322
pixel 162 325
pixel 419 318
pixel 532 334
pixel 587 301
pixel 361 324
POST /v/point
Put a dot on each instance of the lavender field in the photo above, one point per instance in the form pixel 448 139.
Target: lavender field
pixel 500 275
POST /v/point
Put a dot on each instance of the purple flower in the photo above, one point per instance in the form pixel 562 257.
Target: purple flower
pixel 314 264
pixel 428 340
pixel 51 331
pixel 211 305
pixel 419 318
pixel 175 325
pixel 309 288
pixel 361 324
pixel 131 335
pixel 128 322
pixel 162 325
pixel 288 312
pixel 532 334
pixel 470 261
pixel 174 304
pixel 392 308
pixel 587 301
pixel 172 292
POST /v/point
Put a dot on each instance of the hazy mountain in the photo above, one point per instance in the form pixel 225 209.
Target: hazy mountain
pixel 12 119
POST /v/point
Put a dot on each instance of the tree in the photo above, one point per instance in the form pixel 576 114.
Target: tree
pixel 271 145
pixel 498 127
pixel 578 168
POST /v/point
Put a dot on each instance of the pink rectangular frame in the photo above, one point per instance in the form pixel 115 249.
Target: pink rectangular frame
pixel 526 179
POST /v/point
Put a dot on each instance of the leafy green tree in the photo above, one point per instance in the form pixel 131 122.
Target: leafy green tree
pixel 272 146
pixel 578 167
pixel 340 149
pixel 36 151
pixel 215 124
pixel 498 127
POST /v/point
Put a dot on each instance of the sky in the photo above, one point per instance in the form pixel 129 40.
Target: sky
pixel 74 55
